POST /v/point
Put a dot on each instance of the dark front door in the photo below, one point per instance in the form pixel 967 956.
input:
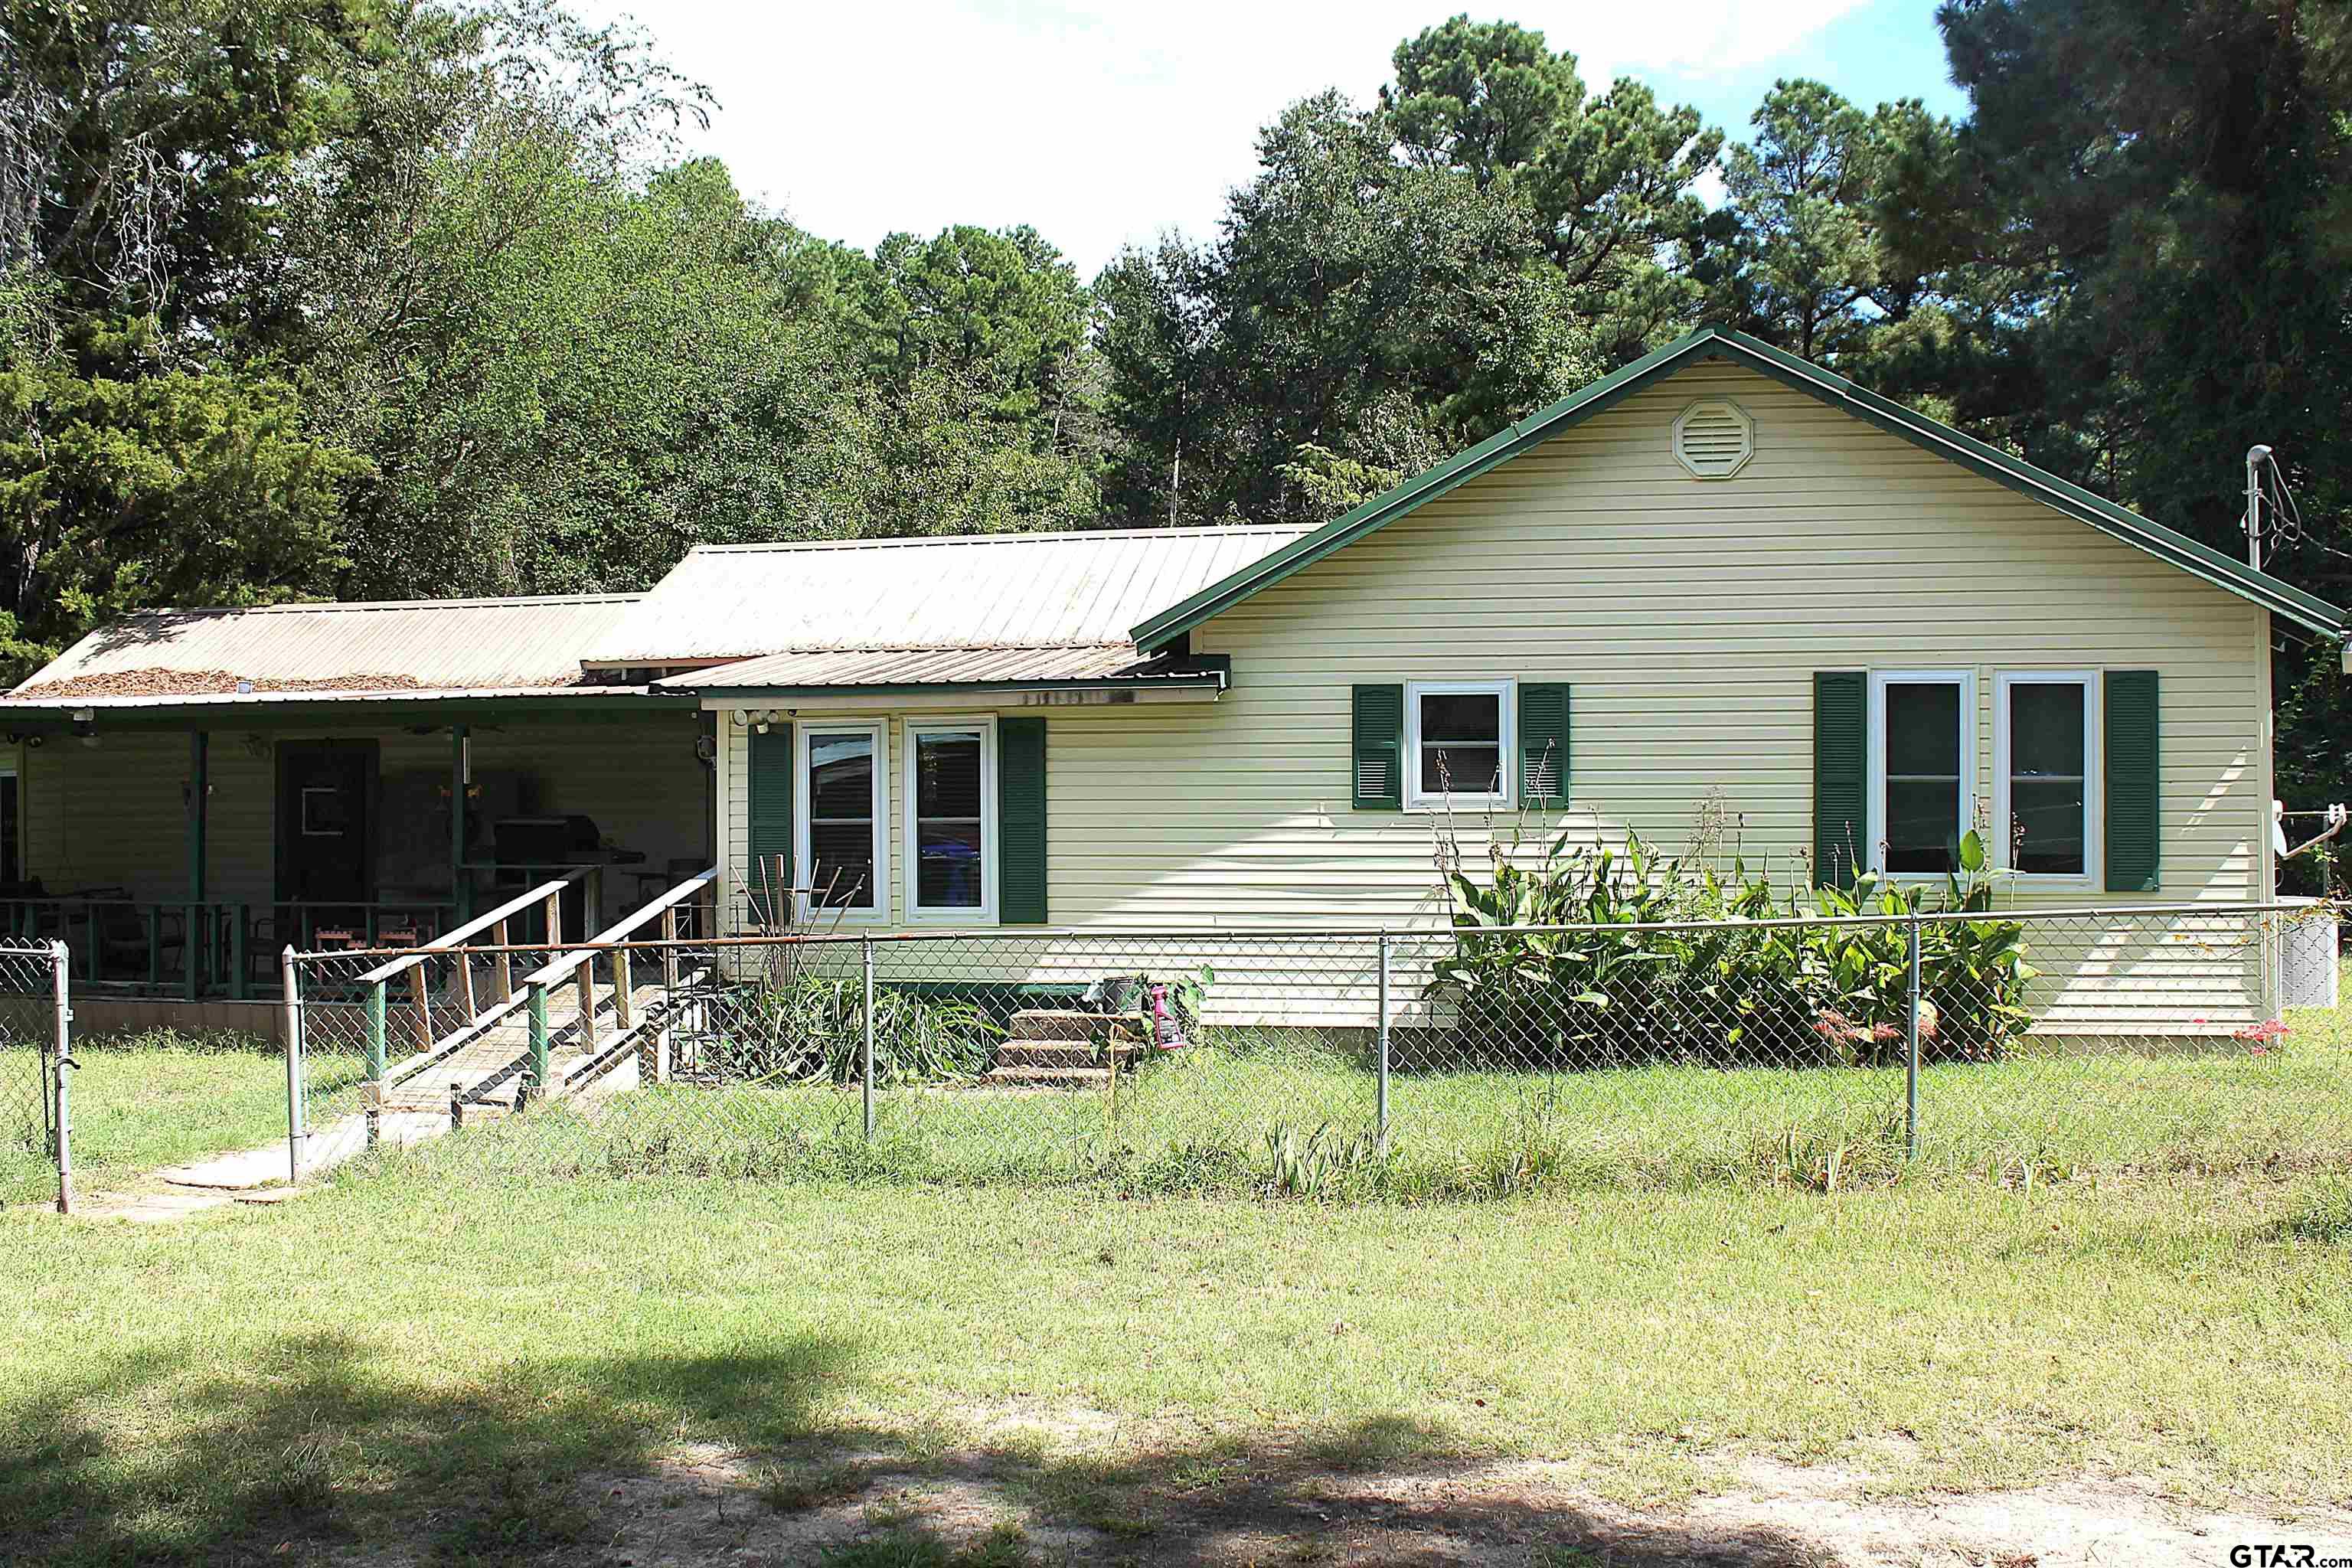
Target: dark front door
pixel 326 838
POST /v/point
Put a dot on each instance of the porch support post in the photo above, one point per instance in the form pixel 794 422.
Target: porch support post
pixel 199 782
pixel 192 932
pixel 460 770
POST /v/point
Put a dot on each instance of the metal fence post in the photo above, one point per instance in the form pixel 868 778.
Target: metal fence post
pixel 866 1053
pixel 1911 1053
pixel 1381 1116
pixel 539 1071
pixel 293 1024
pixel 61 968
pixel 374 1087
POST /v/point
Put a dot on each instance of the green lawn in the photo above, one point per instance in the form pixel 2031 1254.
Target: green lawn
pixel 394 1359
pixel 141 1101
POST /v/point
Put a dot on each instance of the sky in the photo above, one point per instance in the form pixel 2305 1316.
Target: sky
pixel 1102 123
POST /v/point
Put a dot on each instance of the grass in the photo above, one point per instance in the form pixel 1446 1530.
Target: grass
pixel 391 1358
pixel 1302 1121
pixel 144 1100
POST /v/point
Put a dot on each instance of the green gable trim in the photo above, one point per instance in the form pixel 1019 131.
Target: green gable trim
pixel 2313 614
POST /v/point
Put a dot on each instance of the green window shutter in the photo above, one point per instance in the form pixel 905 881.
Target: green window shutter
pixel 2133 824
pixel 1543 743
pixel 1841 766
pixel 770 815
pixel 1021 821
pixel 1377 758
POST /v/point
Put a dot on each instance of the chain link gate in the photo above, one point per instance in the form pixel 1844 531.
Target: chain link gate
pixel 35 1068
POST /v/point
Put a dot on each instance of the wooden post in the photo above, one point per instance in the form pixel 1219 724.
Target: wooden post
pixel 584 984
pixel 199 790
pixel 504 971
pixel 240 930
pixel 460 770
pixel 466 982
pixel 555 918
pixel 423 1007
pixel 624 1002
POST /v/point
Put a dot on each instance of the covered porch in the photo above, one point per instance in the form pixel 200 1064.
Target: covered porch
pixel 177 847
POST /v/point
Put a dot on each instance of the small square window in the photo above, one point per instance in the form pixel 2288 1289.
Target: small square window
pixel 326 812
pixel 1458 743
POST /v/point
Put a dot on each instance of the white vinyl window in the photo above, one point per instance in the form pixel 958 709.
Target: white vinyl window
pixel 2045 750
pixel 1922 763
pixel 841 820
pixel 1458 740
pixel 948 798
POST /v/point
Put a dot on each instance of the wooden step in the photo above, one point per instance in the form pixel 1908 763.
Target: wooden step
pixel 1054 1024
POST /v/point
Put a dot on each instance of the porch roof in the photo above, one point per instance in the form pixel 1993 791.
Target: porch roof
pixel 920 670
pixel 289 658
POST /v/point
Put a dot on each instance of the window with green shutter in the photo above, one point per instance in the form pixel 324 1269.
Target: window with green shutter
pixel 1376 761
pixel 769 811
pixel 1840 773
pixel 2133 821
pixel 1021 820
pixel 1543 743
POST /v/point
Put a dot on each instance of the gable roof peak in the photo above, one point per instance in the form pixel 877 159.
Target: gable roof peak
pixel 2283 599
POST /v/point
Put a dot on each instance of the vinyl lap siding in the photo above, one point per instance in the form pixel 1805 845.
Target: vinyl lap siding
pixel 1688 618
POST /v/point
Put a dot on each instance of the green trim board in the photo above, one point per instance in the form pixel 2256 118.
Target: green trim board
pixel 2305 610
pixel 49 718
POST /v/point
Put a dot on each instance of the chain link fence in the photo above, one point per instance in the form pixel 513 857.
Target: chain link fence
pixel 36 1149
pixel 1491 1059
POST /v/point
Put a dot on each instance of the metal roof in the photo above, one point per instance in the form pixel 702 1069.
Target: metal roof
pixel 1014 590
pixel 477 647
pixel 939 667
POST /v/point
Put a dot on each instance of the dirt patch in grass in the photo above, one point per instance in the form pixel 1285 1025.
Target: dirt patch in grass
pixel 967 1507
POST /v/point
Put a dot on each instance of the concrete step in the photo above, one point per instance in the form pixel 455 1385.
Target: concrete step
pixel 1046 1054
pixel 1049 1077
pixel 1055 1023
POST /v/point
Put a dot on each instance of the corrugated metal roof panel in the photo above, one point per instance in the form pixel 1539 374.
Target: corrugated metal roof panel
pixel 929 666
pixel 435 643
pixel 999 590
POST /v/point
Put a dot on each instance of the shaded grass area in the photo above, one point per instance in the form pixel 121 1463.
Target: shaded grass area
pixel 378 1365
pixel 144 1100
pixel 1305 1123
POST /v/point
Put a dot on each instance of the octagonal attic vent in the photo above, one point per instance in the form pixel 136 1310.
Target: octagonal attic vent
pixel 1712 439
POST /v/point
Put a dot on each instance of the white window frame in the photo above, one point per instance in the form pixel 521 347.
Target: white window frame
pixel 803 853
pixel 2004 841
pixel 1875 814
pixel 1506 694
pixel 959 724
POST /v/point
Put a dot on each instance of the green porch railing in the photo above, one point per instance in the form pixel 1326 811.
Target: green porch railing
pixel 194 948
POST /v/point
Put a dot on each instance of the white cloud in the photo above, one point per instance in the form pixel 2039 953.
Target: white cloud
pixel 1100 124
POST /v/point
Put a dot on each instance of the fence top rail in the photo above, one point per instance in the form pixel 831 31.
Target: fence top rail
pixel 611 937
pixel 607 940
pixel 448 940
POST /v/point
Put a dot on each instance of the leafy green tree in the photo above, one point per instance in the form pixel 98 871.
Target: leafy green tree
pixel 1799 254
pixel 1608 178
pixel 179 487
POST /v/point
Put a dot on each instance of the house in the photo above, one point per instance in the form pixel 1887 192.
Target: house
pixel 1719 575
